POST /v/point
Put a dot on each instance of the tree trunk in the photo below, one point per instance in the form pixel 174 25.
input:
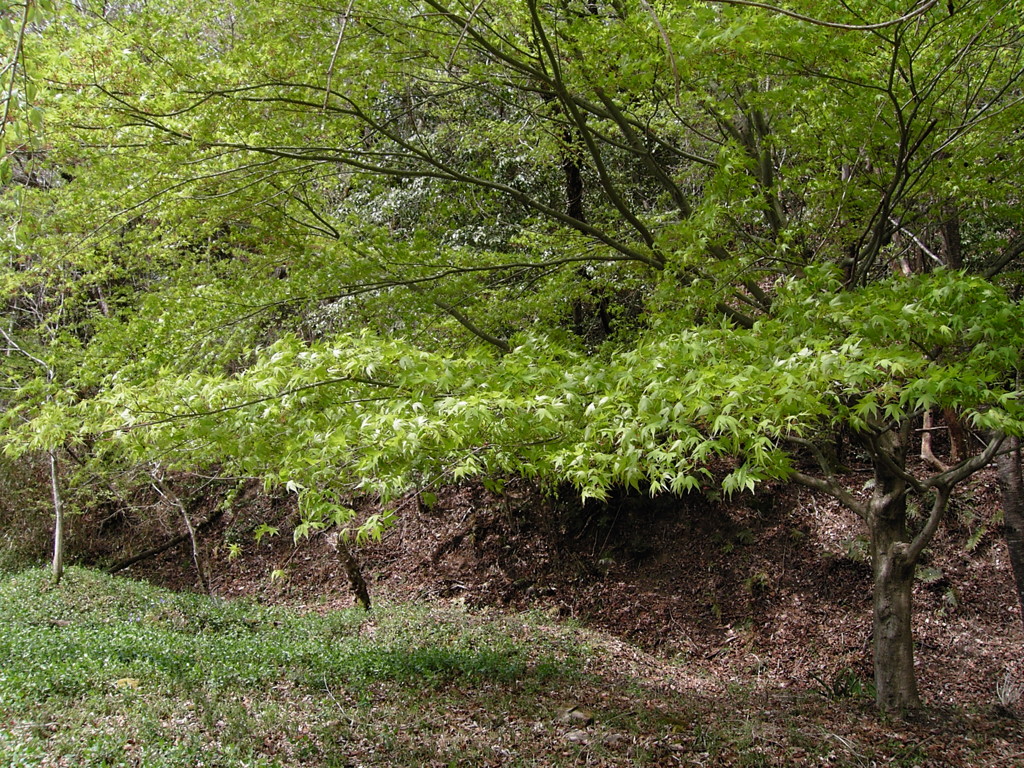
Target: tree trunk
pixel 958 450
pixel 354 573
pixel 952 242
pixel 927 451
pixel 1011 483
pixel 895 683
pixel 197 556
pixel 895 547
pixel 893 576
pixel 58 513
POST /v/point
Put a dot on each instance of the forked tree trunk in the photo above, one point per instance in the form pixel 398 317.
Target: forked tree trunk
pixel 895 547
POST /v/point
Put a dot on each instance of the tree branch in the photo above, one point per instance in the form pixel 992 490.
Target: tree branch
pixel 940 503
pixel 921 9
pixel 829 485
pixel 120 565
pixel 966 468
pixel 832 489
pixel 237 406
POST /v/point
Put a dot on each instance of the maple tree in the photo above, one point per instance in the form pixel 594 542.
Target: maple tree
pixel 388 245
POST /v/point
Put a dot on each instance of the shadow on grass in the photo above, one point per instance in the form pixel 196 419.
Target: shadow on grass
pixel 445 664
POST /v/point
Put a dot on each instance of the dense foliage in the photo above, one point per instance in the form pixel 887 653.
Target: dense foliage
pixel 382 245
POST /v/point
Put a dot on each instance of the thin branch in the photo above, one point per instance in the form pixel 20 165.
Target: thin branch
pixel 939 505
pixel 916 240
pixel 741 319
pixel 967 468
pixel 19 52
pixel 459 316
pixel 677 80
pixel 607 184
pixel 120 565
pixel 334 56
pixel 172 498
pixel 462 319
pixel 832 489
pixel 462 34
pixel 942 486
pixel 920 10
pixel 20 350
pixel 636 146
pixel 238 406
pixel 829 484
pixel 1013 249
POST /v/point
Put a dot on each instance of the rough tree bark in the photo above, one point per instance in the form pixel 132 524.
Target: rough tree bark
pixel 893 577
pixel 1011 482
pixel 352 570
pixel 896 546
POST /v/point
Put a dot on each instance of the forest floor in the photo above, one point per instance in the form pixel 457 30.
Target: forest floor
pixel 758 607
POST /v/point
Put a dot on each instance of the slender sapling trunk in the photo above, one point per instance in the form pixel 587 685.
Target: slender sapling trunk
pixel 58 513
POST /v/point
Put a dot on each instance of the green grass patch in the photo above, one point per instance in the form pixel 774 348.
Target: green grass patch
pixel 103 672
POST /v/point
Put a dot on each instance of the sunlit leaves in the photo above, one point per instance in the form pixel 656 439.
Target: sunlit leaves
pixel 277 218
pixel 677 412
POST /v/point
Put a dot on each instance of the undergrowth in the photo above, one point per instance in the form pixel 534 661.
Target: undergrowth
pixel 103 672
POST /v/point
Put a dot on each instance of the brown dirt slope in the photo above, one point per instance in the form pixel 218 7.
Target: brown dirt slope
pixel 771 589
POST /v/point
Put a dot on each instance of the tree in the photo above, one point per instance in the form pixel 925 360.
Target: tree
pixel 603 243
pixel 20 138
pixel 20 114
pixel 1011 481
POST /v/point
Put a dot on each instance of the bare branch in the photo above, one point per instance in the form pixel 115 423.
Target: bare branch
pixel 834 490
pixel 829 484
pixel 677 80
pixel 337 47
pixel 968 467
pixel 462 34
pixel 940 503
pixel 238 406
pixel 19 52
pixel 918 11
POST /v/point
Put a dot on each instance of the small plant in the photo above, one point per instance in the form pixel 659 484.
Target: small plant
pixel 1008 692
pixel 745 537
pixel 262 530
pixel 706 739
pixel 857 549
pixel 846 684
pixel 757 583
pixel 975 539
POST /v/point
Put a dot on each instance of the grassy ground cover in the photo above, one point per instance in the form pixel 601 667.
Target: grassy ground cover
pixel 104 671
